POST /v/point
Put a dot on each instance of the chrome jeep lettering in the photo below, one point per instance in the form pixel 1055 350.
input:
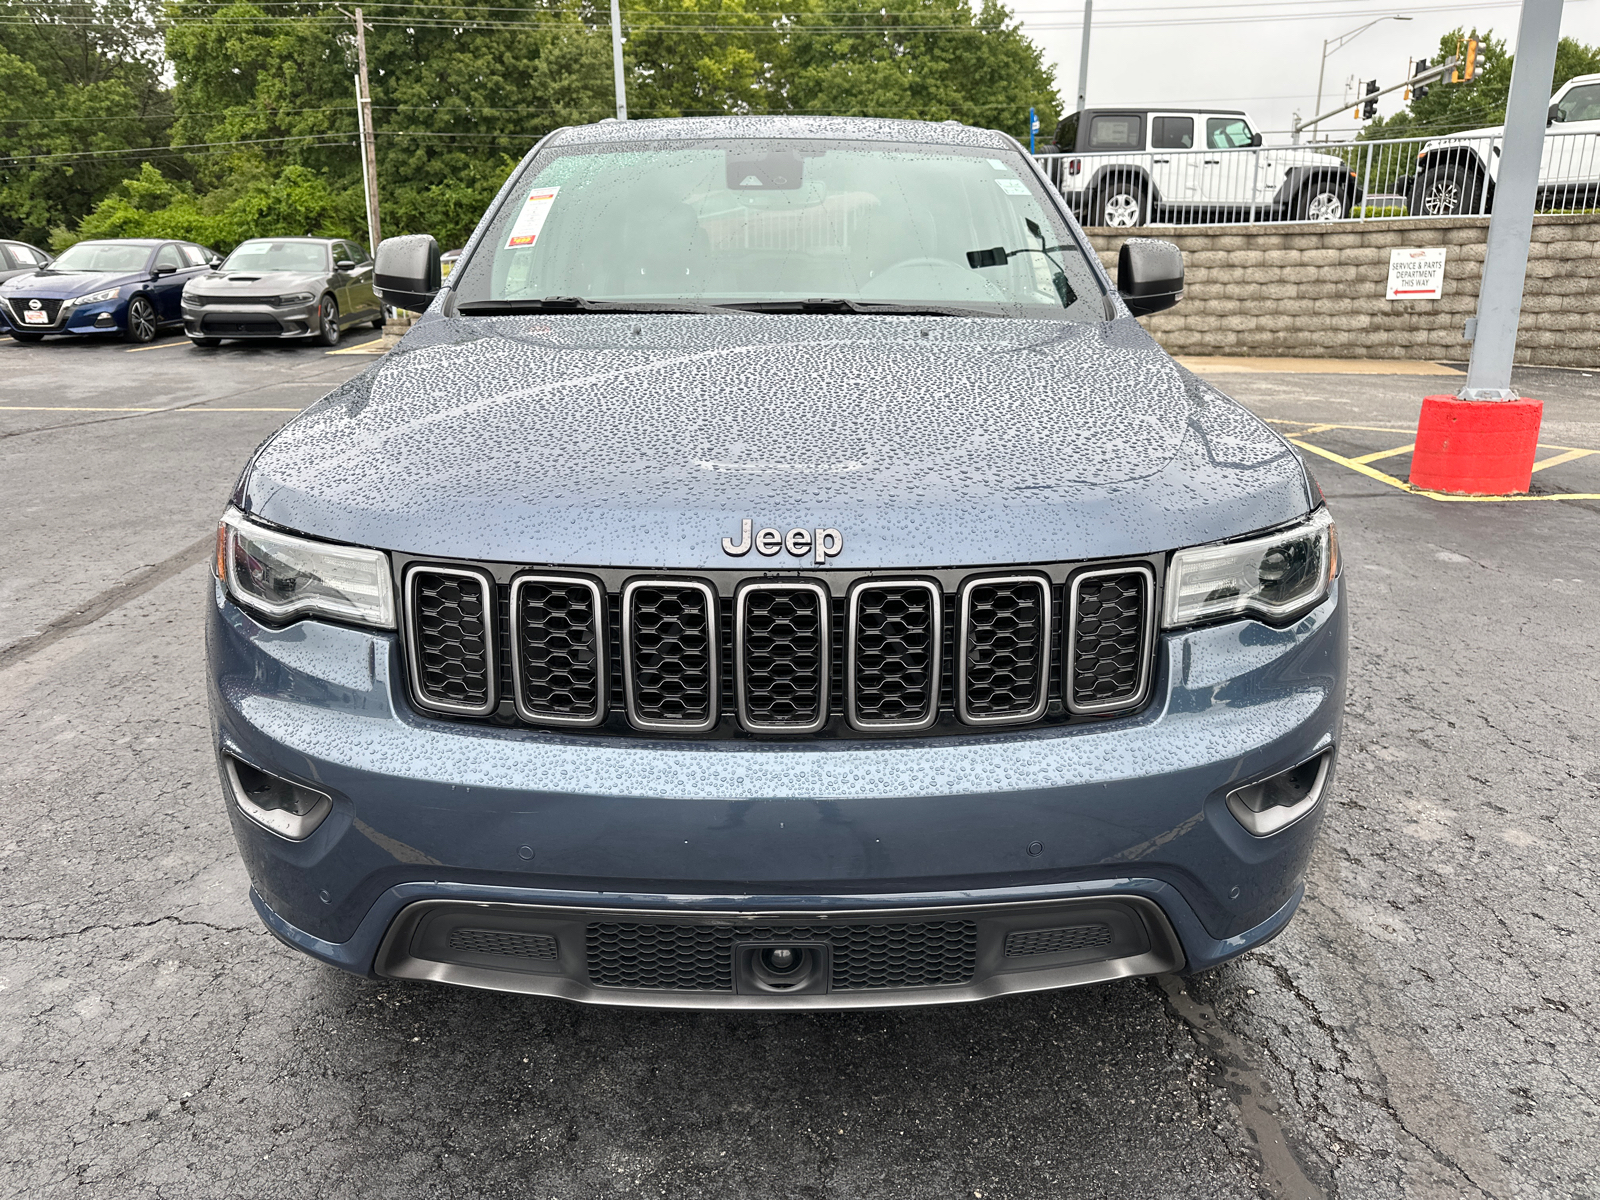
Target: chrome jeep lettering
pixel 769 542
pixel 743 547
pixel 828 543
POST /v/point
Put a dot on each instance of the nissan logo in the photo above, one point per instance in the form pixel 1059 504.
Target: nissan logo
pixel 34 304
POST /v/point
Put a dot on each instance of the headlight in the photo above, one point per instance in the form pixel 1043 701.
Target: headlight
pixel 295 298
pixel 97 297
pixel 1276 576
pixel 282 576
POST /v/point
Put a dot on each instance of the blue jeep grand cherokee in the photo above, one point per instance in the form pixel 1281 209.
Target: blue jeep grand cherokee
pixel 777 571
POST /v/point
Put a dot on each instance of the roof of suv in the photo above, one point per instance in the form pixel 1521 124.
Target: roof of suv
pixel 1179 109
pixel 859 129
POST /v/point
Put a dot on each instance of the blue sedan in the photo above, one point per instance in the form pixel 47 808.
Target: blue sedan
pixel 132 287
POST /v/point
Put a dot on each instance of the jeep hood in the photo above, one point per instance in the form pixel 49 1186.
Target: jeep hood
pixel 621 440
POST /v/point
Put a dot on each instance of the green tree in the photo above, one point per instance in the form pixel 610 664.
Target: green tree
pixel 82 104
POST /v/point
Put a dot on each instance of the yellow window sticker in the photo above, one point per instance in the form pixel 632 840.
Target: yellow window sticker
pixel 525 231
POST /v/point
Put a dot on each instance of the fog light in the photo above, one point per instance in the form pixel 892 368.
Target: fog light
pixel 1280 800
pixel 289 810
pixel 104 320
pixel 795 970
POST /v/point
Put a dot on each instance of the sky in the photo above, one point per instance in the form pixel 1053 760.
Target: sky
pixel 1258 55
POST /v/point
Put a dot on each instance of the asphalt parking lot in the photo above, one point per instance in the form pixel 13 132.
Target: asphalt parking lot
pixel 1426 1027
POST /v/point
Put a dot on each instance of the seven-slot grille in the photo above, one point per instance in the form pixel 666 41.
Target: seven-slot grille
pixel 786 656
pixel 865 956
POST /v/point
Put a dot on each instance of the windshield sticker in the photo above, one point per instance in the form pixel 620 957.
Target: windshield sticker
pixel 997 164
pixel 532 217
pixel 1013 187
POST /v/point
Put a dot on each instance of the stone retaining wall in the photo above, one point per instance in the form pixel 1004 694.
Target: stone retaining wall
pixel 1308 292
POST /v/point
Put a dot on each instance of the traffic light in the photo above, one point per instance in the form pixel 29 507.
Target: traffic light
pixel 1417 91
pixel 1369 107
pixel 1466 60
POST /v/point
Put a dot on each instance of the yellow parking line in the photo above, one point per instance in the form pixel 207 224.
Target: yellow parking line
pixel 1374 473
pixel 1377 454
pixel 163 346
pixel 1557 460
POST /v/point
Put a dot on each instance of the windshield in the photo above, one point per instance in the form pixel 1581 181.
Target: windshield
pixel 278 256
pixel 750 223
pixel 102 256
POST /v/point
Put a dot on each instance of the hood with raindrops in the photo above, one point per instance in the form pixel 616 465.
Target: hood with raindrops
pixel 610 439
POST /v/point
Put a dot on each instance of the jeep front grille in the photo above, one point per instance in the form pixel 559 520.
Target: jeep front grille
pixel 669 642
pixel 730 655
pixel 452 664
pixel 1108 647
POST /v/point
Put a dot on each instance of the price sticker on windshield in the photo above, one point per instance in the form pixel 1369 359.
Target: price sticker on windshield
pixel 1013 187
pixel 535 211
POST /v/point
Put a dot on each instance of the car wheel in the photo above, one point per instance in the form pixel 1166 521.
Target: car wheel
pixel 206 343
pixel 1323 202
pixel 378 322
pixel 141 326
pixel 328 322
pixel 18 335
pixel 1447 190
pixel 1120 205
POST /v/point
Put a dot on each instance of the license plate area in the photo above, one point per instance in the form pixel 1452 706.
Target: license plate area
pixel 35 316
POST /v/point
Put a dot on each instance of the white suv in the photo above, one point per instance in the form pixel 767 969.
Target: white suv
pixel 1456 174
pixel 1124 167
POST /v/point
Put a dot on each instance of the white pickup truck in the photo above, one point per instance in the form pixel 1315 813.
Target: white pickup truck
pixel 1456 175
pixel 1125 167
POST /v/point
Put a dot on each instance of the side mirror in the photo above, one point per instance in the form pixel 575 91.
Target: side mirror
pixel 406 273
pixel 1149 275
pixel 215 262
pixel 1554 114
pixel 162 269
pixel 1255 139
pixel 344 264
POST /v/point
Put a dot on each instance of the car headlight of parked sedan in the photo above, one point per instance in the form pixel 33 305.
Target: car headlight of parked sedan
pixel 295 298
pixel 283 578
pixel 95 297
pixel 1275 577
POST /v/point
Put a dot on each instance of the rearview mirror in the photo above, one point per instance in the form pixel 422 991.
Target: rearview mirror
pixel 1149 275
pixel 406 273
pixel 1554 114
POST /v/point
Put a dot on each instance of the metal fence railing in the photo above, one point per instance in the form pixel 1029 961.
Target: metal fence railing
pixel 1321 181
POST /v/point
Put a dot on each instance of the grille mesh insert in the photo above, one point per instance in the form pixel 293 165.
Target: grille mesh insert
pixel 1108 639
pixel 700 957
pixel 896 663
pixel 1056 941
pixel 783 656
pixel 50 308
pixel 558 649
pixel 504 943
pixel 673 649
pixel 452 639
pixel 1007 651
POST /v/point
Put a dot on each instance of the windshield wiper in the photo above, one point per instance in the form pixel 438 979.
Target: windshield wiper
pixel 840 304
pixel 508 308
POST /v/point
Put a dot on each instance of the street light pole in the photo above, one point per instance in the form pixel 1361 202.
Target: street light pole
pixel 1505 262
pixel 1083 55
pixel 1329 45
pixel 369 144
pixel 616 60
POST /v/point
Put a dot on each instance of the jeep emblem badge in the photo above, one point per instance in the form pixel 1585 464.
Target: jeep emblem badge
pixel 821 544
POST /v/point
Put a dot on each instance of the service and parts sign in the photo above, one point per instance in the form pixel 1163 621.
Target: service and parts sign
pixel 535 211
pixel 1416 274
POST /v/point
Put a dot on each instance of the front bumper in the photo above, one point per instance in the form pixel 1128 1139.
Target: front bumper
pixel 219 319
pixel 513 829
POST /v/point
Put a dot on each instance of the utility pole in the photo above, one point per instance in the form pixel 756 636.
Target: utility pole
pixel 1505 264
pixel 616 60
pixel 369 145
pixel 1083 55
pixel 1329 45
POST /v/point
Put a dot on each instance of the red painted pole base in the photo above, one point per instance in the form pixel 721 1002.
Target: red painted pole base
pixel 1476 447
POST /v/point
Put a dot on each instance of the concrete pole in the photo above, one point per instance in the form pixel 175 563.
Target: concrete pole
pixel 1083 55
pixel 369 145
pixel 616 60
pixel 1321 72
pixel 1505 265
